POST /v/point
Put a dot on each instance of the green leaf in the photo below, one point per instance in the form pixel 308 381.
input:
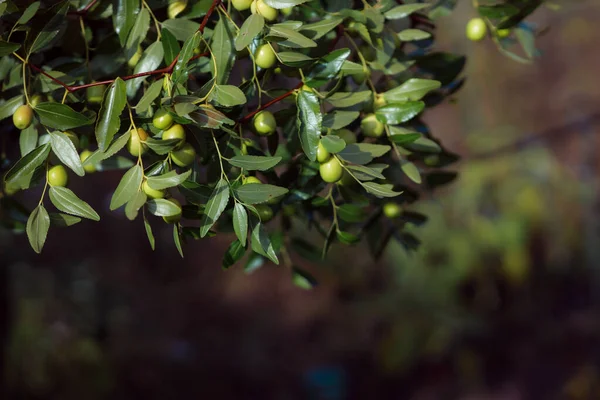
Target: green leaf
pixel 149 96
pixel 234 253
pixel 294 59
pixel 256 193
pixel 162 147
pixel 222 49
pixel 254 163
pixel 303 279
pixel 181 28
pixel 177 239
pixel 398 113
pixel 251 27
pixel 133 206
pixel 163 207
pixel 170 179
pixel 29 13
pixel 37 228
pixel 404 10
pixel 227 96
pixel 206 117
pixel 363 153
pixel 364 173
pixel 215 206
pixel 149 233
pixel 170 46
pixel 63 220
pixel 65 150
pixel 28 140
pixel 7 48
pixel 292 37
pixel 348 99
pixel 51 29
pixel 113 149
pixel 61 116
pixel 137 33
pixel 347 237
pixel 333 144
pixel 261 243
pixel 498 11
pixel 411 90
pixel 187 52
pixel 380 190
pixel 27 165
pixel 240 223
pixel 339 119
pixel 411 171
pixel 351 213
pixel 8 108
pixel 124 16
pixel 308 121
pixel 151 59
pixel 109 121
pixel 330 65
pixel 409 35
pixel 316 30
pixel 424 145
pixel 128 187
pixel 66 201
pixel 279 4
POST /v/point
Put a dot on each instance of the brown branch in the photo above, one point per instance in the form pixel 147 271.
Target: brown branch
pixel 84 10
pixel 167 70
pixel 269 104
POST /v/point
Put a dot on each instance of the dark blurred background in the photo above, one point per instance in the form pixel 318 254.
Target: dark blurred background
pixel 500 302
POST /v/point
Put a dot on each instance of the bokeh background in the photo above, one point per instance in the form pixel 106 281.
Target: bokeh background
pixel 501 300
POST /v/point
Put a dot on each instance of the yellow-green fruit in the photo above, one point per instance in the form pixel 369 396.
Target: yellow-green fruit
pixel 89 168
pixel 260 7
pixel 184 156
pixel 173 219
pixel 152 193
pixel 331 171
pixel 265 56
pixel 23 117
pixel 251 179
pixel 176 7
pixel 322 154
pixel 264 123
pixel 379 101
pixel 74 138
pixel 264 212
pixel 476 29
pixel 35 100
pixel 371 126
pixel 347 135
pixel 392 210
pixel 132 62
pixel 175 132
pixel 503 33
pixel 287 11
pixel 57 176
pixel 134 145
pixel 241 5
pixel 94 94
pixel 162 119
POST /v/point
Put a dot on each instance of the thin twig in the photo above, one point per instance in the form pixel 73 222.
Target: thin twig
pixel 270 103
pixel 166 70
pixel 84 10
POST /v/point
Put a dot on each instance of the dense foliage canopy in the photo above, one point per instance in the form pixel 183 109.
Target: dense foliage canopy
pixel 224 115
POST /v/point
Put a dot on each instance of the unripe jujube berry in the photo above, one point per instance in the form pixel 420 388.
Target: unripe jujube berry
pixel 264 123
pixel 331 171
pixel 322 154
pixel 23 117
pixel 265 56
pixel 173 219
pixel 152 193
pixel 371 126
pixel 175 132
pixel 135 144
pixel 162 119
pixel 260 7
pixel 476 29
pixel 184 156
pixel 57 176
pixel 89 168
